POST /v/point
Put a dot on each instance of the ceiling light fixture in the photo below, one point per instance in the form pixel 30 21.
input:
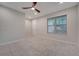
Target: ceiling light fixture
pixel 33 8
pixel 35 13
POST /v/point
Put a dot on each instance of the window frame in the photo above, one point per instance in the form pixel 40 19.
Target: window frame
pixel 55 23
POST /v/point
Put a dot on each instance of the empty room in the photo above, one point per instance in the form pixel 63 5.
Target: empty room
pixel 39 28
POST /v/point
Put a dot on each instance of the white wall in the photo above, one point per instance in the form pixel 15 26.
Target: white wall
pixel 78 24
pixel 12 25
pixel 28 26
pixel 39 26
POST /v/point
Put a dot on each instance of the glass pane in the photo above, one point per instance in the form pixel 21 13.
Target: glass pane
pixel 51 28
pixel 51 21
pixel 61 26
pixel 58 20
pixel 65 20
pixel 61 20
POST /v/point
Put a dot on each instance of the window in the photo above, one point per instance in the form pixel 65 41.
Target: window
pixel 57 24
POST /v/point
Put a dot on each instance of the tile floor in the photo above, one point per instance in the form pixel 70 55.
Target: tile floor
pixel 38 46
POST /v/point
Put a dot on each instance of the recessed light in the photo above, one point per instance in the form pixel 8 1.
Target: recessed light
pixel 33 8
